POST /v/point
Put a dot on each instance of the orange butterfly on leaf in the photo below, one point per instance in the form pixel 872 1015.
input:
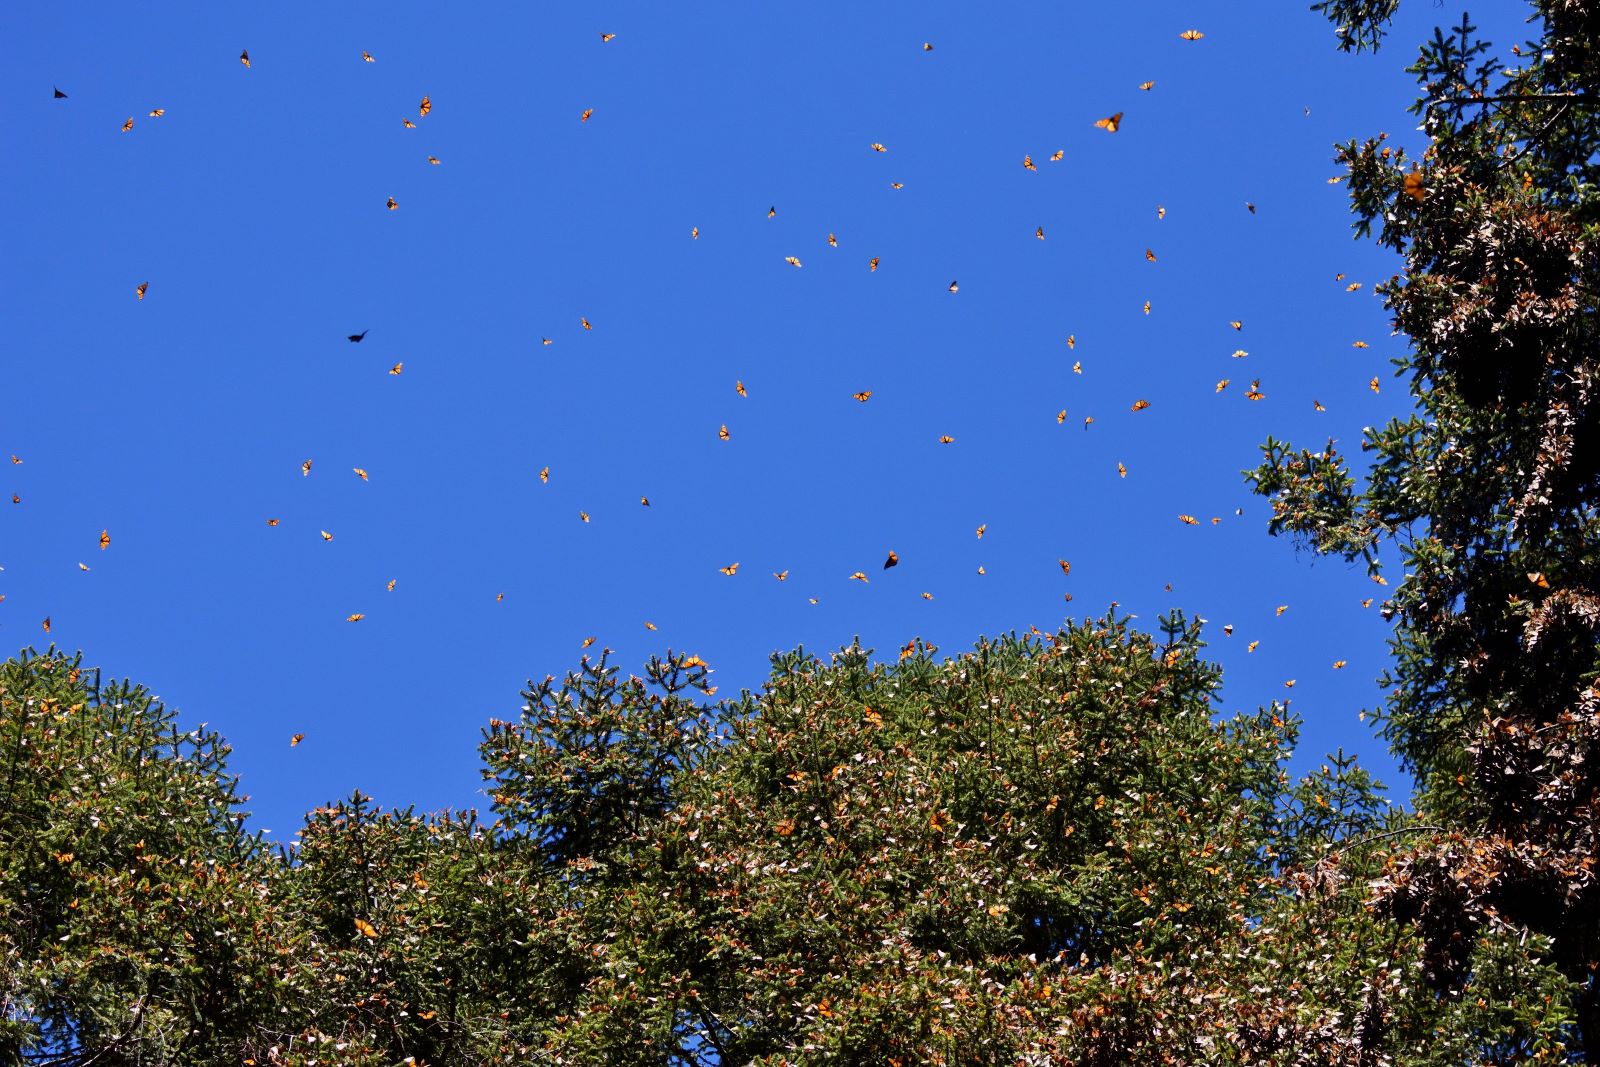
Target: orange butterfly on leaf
pixel 365 928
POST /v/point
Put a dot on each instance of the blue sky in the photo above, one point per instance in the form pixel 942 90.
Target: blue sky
pixel 255 209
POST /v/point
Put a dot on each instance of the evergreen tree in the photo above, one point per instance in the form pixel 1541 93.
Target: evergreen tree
pixel 1488 489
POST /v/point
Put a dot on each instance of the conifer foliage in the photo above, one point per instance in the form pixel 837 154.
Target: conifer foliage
pixel 1488 488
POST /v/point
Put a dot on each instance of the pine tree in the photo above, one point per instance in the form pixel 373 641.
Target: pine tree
pixel 1488 489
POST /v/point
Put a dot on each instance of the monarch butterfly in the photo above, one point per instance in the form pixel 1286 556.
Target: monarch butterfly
pixel 1147 86
pixel 273 522
pixel 1039 233
pixel 584 515
pixel 139 292
pixel 1058 155
pixel 305 468
pixel 863 396
pixel 408 124
pixel 1028 164
pixel 586 113
pixel 544 475
pixel 694 232
pixel 365 928
pixel 983 529
pixel 876 147
pixel 782 576
pixel 46 624
pixel 433 160
pixel 927 596
pixel 326 536
pixel 392 204
pixel 1338 664
pixel 1122 471
pixel 873 265
pixel 366 57
pixel 1191 35
pixel 772 212
pixel 1188 520
pixel 1061 416
pixel 1140 405
pixel 585 323
pixel 946 439
pixel 1281 609
pixel 105 540
pixel 738 387
pixel 1228 629
pixel 1316 405
pixel 730 570
pixel 1149 256
pixel 424 107
pixel 1161 212
pixel 390 587
pixel 1066 568
pixel 926 47
pixel 360 473
pixel 1255 392
pixel 954 288
pixel 357 617
pixel 296 739
pixel 1360 344
pixel 833 242
pixel 892 561
pixel 792 261
pixel 1110 124
pixel 397 368
pixel 1236 324
pixel 858 577
pixel 722 434
pixel 604 37
pixel 1251 647
pixel 244 57
pixel 157 112
pixel 1412 186
pixel 126 126
pixel 1223 384
pixel 649 625
pixel 1373 385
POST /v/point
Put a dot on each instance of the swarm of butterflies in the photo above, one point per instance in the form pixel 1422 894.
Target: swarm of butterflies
pixel 1110 124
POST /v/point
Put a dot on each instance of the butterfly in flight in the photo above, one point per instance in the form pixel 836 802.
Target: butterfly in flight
pixel 1191 35
pixel 954 288
pixel 305 468
pixel 863 396
pixel 357 617
pixel 126 126
pixel 892 561
pixel 59 94
pixel 157 112
pixel 858 576
pixel 296 739
pixel 1147 86
pixel 1140 405
pixel 397 368
pixel 244 57
pixel 723 434
pixel 424 107
pixel 356 338
pixel 782 576
pixel 392 204
pixel 366 57
pixel 872 266
pixel 586 113
pixel 730 570
pixel 604 37
pixel 1111 124
pixel 105 540
pixel 738 387
pixel 139 292
pixel 1066 567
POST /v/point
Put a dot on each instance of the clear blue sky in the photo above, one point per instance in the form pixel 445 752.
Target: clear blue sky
pixel 255 209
